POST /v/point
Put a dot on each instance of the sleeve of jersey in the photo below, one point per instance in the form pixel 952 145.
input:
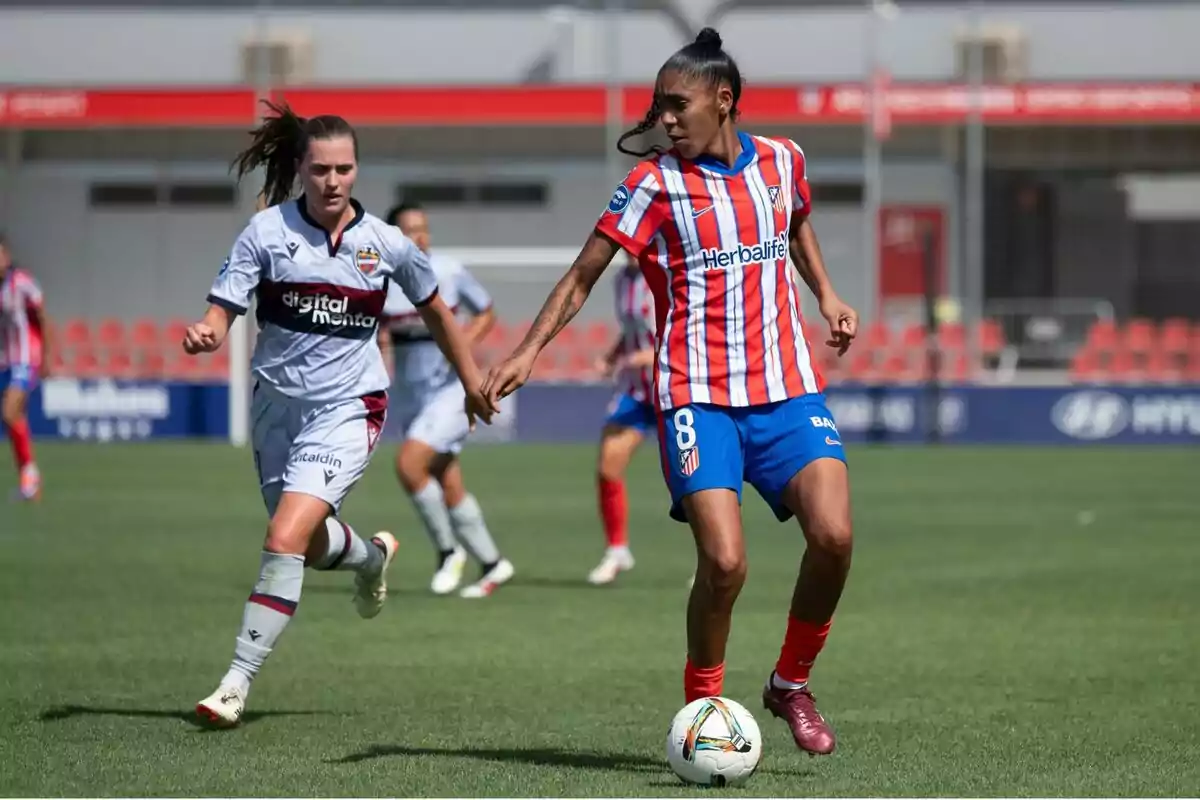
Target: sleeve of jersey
pixel 472 292
pixel 33 293
pixel 411 269
pixel 635 212
pixel 239 277
pixel 801 194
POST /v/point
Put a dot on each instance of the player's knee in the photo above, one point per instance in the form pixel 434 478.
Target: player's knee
pixel 724 571
pixel 412 468
pixel 286 536
pixel 11 409
pixel 832 537
pixel 611 466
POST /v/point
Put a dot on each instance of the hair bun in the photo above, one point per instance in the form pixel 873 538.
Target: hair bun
pixel 709 38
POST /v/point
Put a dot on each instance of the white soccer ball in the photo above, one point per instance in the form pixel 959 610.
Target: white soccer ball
pixel 714 742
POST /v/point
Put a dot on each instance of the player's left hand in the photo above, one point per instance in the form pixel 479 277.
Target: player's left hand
pixel 843 323
pixel 478 407
pixel 506 377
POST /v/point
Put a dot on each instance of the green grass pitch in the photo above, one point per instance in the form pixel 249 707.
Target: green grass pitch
pixel 1018 622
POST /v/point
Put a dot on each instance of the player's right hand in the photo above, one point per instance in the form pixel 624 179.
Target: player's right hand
pixel 200 338
pixel 478 406
pixel 506 377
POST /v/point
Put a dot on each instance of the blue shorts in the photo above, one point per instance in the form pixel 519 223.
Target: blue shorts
pixel 625 412
pixel 715 447
pixel 18 376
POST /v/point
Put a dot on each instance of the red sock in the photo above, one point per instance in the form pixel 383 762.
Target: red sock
pixel 22 444
pixel 614 512
pixel 702 681
pixel 801 644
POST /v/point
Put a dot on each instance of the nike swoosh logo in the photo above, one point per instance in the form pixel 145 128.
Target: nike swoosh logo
pixel 699 212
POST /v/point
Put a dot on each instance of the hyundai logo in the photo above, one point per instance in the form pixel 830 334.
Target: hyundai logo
pixel 1091 415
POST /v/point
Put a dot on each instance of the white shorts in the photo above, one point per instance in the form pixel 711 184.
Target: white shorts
pixel 439 420
pixel 318 449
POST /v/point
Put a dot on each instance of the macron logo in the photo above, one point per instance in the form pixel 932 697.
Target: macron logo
pixel 744 255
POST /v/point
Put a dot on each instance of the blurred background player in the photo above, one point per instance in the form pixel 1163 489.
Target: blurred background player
pixel 429 404
pixel 630 417
pixel 713 221
pixel 319 267
pixel 25 356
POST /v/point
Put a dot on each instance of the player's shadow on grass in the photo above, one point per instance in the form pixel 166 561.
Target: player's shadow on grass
pixel 536 756
pixel 59 713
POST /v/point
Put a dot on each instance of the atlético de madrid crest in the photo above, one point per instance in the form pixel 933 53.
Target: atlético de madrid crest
pixel 367 259
pixel 777 199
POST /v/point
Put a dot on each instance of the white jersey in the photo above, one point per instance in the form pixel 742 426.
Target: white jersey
pixel 421 369
pixel 320 300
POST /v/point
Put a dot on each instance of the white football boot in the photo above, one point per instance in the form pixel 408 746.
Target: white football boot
pixel 500 574
pixel 372 588
pixel 223 708
pixel 450 573
pixel 616 560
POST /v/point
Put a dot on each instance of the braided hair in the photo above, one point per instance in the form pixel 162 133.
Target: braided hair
pixel 705 58
pixel 280 144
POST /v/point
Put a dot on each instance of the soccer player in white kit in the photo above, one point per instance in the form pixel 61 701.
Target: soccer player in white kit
pixel 320 268
pixel 429 402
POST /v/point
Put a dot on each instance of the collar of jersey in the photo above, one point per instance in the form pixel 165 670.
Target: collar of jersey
pixel 743 160
pixel 358 215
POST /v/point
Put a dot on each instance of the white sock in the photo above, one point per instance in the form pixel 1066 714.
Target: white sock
pixel 780 683
pixel 472 531
pixel 268 611
pixel 346 550
pixel 431 508
pixel 620 550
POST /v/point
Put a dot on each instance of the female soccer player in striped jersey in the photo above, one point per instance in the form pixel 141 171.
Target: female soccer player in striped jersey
pixel 739 397
pixel 320 268
pixel 630 415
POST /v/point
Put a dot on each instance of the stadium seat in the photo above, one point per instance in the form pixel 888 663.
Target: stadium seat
pixel 879 336
pixel 117 364
pixel 1162 367
pixel 1102 336
pixel 1139 336
pixel 895 369
pixel 77 332
pixel 1124 367
pixel 913 337
pixel 862 366
pixel 83 363
pixel 1085 366
pixel 146 333
pixel 599 335
pixel 952 336
pixel 991 337
pixel 956 367
pixel 111 333
pixel 1191 370
pixel 150 365
pixel 174 332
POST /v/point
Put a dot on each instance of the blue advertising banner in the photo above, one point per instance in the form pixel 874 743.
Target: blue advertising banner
pixel 107 410
pixel 965 414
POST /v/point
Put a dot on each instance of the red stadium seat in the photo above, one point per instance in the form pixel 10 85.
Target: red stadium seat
pixel 1123 366
pixel 1139 336
pixel 1163 367
pixel 895 369
pixel 1102 336
pixel 952 336
pixel 174 332
pixel 146 333
pixel 77 332
pixel 956 367
pixel 111 333
pixel 879 336
pixel 1191 370
pixel 600 335
pixel 1086 366
pixel 83 363
pixel 150 365
pixel 913 337
pixel 117 364
pixel 991 337
pixel 862 365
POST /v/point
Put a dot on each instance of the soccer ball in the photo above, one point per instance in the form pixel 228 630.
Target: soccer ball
pixel 714 742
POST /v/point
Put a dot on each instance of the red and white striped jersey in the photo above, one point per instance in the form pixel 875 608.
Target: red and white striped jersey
pixel 712 241
pixel 635 316
pixel 20 335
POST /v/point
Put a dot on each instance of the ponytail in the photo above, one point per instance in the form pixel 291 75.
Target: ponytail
pixel 279 144
pixel 645 126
